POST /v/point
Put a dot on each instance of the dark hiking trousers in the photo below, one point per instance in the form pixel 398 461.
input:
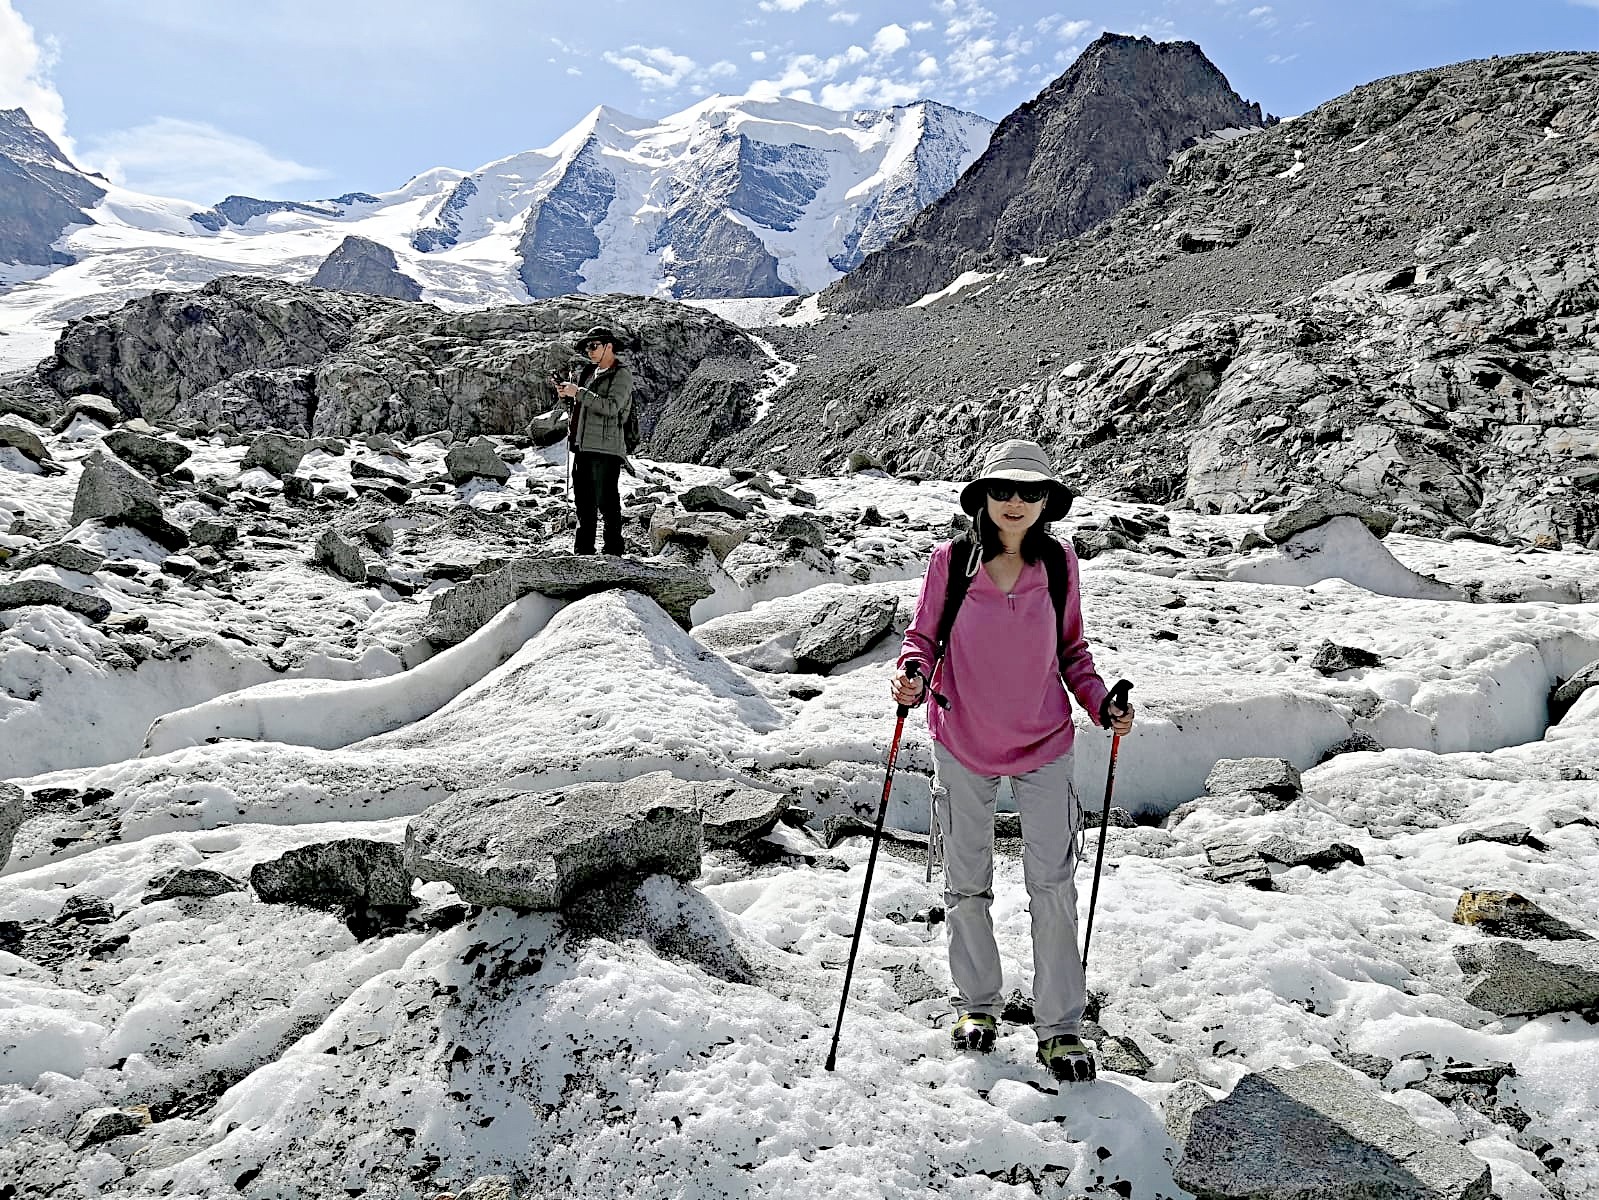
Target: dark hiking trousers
pixel 594 485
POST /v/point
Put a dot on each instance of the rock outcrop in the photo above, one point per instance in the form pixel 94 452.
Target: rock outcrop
pixel 359 264
pixel 41 193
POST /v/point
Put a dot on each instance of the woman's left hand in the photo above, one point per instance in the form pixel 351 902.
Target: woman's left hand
pixel 1118 720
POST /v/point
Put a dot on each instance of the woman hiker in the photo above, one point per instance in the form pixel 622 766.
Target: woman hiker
pixel 1002 711
pixel 600 403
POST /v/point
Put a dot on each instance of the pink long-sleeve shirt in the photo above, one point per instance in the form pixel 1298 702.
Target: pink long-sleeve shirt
pixel 1008 713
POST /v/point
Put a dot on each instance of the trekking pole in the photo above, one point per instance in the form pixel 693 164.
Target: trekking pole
pixel 912 670
pixel 1118 699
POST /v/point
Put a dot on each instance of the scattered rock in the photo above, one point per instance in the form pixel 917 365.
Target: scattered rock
pixel 156 455
pixel 460 612
pixel 476 459
pixel 1276 777
pixel 199 882
pixel 103 1124
pixel 95 408
pixel 341 556
pixel 12 809
pixel 28 592
pixel 110 492
pixel 1374 1065
pixel 734 814
pixel 1510 914
pixel 1511 833
pixel 705 498
pixel 1356 743
pixel 1279 849
pixel 1331 658
pixel 276 453
pixel 845 629
pixel 220 534
pixel 326 874
pixel 1307 514
pixel 1179 1108
pixel 537 850
pixel 1564 696
pixel 1528 979
pixel 69 556
pixel 32 448
pixel 1315 1133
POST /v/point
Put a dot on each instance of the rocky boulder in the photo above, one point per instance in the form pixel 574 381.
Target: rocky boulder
pixel 537 850
pixel 460 612
pixel 1276 777
pixel 1317 510
pixel 845 629
pixel 110 492
pixel 358 264
pixel 28 443
pixel 1526 979
pixel 12 810
pixel 1317 1132
pixel 476 459
pixel 276 453
pixel 158 456
pixel 1512 915
pixel 350 871
pixel 25 593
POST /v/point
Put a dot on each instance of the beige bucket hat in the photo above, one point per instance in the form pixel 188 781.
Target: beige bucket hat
pixel 1018 461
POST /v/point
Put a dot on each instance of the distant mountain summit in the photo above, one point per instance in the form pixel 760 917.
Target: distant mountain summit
pixel 732 197
pixel 41 193
pixel 1057 166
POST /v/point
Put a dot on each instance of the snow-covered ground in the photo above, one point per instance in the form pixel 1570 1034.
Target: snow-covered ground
pixel 673 1046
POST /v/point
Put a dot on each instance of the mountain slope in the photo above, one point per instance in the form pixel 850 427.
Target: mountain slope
pixel 1425 243
pixel 1057 166
pixel 41 194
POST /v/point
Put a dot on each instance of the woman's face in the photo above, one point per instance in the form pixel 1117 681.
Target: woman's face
pixel 1014 513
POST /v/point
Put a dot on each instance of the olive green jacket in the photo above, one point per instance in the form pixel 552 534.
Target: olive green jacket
pixel 603 401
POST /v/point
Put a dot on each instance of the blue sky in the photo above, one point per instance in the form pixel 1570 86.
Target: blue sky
pixel 312 98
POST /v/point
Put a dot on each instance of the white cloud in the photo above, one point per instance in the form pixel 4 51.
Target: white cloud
pixel 25 77
pixel 844 18
pixel 921 26
pixel 721 69
pixel 757 56
pixel 782 5
pixel 890 39
pixel 655 68
pixel 869 91
pixel 1280 59
pixel 1263 15
pixel 928 67
pixel 1070 31
pixel 192 160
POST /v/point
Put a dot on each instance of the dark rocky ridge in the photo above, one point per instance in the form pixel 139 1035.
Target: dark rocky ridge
pixel 41 193
pixel 1427 176
pixel 253 354
pixel 358 264
pixel 1058 165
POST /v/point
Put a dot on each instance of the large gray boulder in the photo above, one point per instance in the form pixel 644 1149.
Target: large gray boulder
pixel 537 850
pixel 1318 510
pixel 110 492
pixel 1528 978
pixel 12 807
pixel 325 874
pixel 846 628
pixel 457 614
pixel 1318 1132
pixel 735 814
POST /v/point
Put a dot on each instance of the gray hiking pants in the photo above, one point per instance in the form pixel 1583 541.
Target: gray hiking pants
pixel 1047 803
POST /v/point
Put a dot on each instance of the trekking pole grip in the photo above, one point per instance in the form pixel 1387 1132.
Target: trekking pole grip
pixel 1118 694
pixel 913 670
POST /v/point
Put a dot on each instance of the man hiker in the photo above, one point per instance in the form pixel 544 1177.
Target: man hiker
pixel 601 400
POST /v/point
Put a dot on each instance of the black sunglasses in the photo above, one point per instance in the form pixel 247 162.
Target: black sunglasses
pixel 1027 493
pixel 586 347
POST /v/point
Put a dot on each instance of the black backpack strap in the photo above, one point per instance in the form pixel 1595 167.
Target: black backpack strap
pixel 1060 582
pixel 957 581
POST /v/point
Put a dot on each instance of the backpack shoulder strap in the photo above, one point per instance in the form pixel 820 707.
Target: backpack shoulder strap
pixel 1060 581
pixel 957 580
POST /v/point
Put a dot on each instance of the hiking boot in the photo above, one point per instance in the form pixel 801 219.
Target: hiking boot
pixel 1067 1059
pixel 974 1031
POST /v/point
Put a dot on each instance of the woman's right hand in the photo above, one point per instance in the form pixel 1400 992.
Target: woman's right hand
pixel 906 690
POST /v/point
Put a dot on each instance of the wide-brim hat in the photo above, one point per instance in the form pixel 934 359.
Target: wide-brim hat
pixel 1018 461
pixel 598 333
